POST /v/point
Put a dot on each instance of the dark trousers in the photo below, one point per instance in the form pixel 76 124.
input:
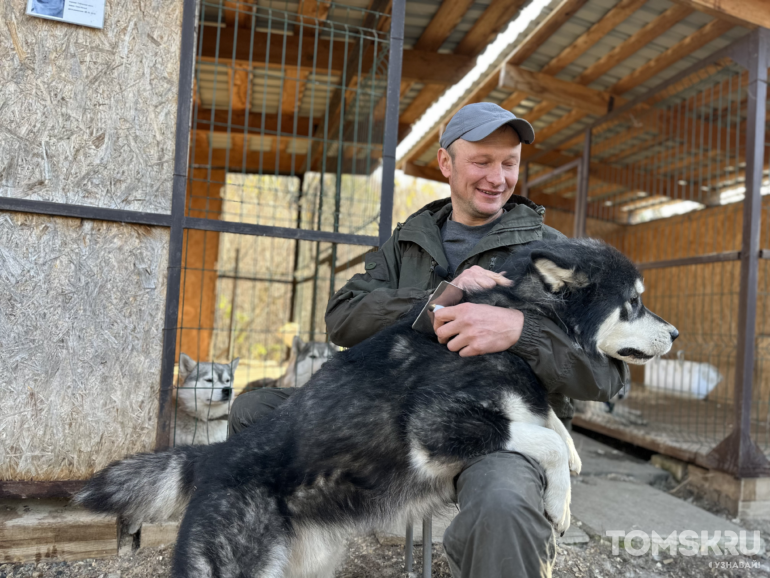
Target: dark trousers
pixel 501 530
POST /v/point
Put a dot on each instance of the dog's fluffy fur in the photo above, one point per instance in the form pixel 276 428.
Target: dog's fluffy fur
pixel 305 360
pixel 202 401
pixel 381 431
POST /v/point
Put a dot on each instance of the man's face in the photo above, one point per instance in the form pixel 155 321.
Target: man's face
pixel 482 175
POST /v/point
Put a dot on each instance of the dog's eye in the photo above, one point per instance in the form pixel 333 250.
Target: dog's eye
pixel 208 380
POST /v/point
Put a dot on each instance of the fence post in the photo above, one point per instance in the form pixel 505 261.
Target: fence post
pixel 176 233
pixel 391 118
pixel 581 198
pixel 737 453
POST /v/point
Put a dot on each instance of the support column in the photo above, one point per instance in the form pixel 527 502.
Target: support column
pixel 581 198
pixel 737 454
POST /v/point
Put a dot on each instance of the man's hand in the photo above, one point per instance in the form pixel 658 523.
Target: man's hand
pixel 474 329
pixel 477 278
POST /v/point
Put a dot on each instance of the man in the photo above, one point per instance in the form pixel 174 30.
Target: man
pixel 501 529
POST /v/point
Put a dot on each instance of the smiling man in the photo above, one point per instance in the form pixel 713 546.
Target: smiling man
pixel 501 529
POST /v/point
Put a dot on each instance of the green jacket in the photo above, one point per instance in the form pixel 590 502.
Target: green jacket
pixel 403 272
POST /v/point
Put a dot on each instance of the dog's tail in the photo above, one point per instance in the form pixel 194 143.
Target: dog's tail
pixel 149 487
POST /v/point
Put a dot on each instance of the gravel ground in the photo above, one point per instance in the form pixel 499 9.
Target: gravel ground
pixel 369 559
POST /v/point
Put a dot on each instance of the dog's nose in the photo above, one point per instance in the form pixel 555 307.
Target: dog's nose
pixel 226 392
pixel 674 334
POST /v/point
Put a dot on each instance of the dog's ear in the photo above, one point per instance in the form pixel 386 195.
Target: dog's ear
pixel 296 345
pixel 234 365
pixel 186 365
pixel 555 272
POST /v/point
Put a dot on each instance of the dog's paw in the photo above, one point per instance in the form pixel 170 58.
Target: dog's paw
pixel 575 463
pixel 557 501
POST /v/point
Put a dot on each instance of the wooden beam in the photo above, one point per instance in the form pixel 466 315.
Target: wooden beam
pixel 429 173
pixel 310 12
pixel 426 97
pixel 238 81
pixel 696 40
pixel 422 66
pixel 221 120
pixel 497 15
pixel 747 13
pixel 553 89
pixel 550 24
pixel 448 15
pixel 607 23
pixel 610 20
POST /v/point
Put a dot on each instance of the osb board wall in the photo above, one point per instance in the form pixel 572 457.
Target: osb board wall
pixel 81 322
pixel 88 116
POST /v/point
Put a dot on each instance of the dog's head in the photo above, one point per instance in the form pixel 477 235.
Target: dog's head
pixel 597 293
pixel 306 358
pixel 205 389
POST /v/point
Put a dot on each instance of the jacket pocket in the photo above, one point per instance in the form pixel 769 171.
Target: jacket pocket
pixel 376 266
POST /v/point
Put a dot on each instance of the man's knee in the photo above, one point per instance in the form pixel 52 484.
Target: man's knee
pixel 252 406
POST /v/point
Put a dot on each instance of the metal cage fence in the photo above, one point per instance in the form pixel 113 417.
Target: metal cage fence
pixel 288 149
pixel 676 179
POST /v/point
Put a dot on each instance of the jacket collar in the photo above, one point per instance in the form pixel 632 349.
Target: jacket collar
pixel 521 223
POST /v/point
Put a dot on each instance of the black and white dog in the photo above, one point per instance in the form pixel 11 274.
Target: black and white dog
pixel 380 432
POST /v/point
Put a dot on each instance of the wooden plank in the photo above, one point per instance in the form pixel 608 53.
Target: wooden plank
pixel 442 24
pixel 607 23
pixel 747 13
pixel 550 24
pixel 486 28
pixel 630 46
pixel 696 40
pixel 422 66
pixel 51 530
pixel 238 81
pixel 422 172
pixel 426 97
pixel 310 12
pixel 221 120
pixel 633 44
pixel 34 489
pixel 555 90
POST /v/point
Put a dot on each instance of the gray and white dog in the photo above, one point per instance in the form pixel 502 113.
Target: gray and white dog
pixel 202 401
pixel 305 360
pixel 381 431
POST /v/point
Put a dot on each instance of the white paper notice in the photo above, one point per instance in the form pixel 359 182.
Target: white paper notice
pixel 82 12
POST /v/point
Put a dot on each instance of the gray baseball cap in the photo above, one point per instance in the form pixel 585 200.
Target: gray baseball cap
pixel 474 122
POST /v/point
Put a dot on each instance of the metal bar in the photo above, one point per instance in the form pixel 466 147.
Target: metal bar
pixel 726 52
pixel 34 489
pixel 531 184
pixel 231 333
pixel 281 232
pixel 581 198
pixel 84 212
pixel 696 260
pixel 391 118
pixel 764 253
pixel 409 548
pixel 427 546
pixel 737 454
pixel 256 279
pixel 176 234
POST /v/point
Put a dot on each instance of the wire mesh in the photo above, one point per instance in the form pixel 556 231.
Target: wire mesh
pixel 287 132
pixel 666 188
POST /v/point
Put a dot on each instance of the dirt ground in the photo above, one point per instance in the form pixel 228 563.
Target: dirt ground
pixel 369 559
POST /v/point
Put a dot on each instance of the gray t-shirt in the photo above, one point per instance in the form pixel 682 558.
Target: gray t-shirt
pixel 459 240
